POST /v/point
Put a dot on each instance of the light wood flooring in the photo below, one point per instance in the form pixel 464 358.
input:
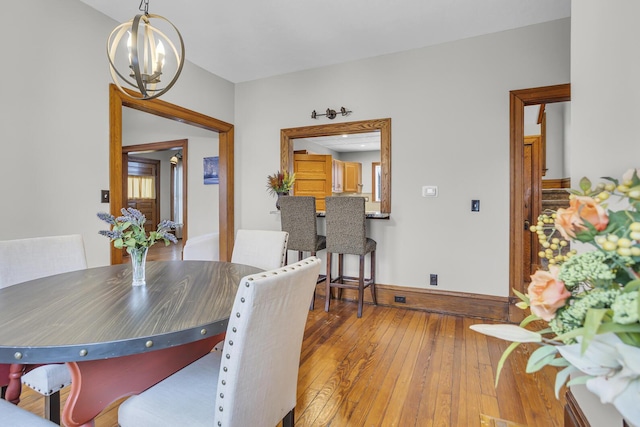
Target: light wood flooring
pixel 396 367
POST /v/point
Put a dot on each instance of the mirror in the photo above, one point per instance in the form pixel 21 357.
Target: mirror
pixel 117 100
pixel 383 126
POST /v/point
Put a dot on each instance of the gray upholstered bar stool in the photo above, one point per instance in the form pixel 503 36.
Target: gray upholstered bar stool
pixel 346 234
pixel 298 218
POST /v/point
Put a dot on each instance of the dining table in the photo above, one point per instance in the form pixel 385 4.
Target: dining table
pixel 116 339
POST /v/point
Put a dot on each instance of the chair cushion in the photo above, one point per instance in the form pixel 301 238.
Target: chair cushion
pixel 11 415
pixel 48 379
pixel 193 391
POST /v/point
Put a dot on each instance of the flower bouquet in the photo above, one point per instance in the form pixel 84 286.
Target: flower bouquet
pixel 127 231
pixel 588 300
pixel 279 184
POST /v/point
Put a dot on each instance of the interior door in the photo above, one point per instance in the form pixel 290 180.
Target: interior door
pixel 144 201
pixel 532 204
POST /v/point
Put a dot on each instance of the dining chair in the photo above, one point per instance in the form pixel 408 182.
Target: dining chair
pixel 265 249
pixel 346 234
pixel 298 218
pixel 22 260
pixel 205 247
pixel 11 415
pixel 252 380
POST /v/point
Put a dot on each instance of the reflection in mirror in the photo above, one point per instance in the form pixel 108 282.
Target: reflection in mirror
pixel 337 174
pixel 376 173
pixel 351 157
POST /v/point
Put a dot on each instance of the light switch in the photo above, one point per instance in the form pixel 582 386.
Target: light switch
pixel 429 191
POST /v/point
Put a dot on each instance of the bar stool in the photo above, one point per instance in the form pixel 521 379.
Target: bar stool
pixel 346 234
pixel 298 218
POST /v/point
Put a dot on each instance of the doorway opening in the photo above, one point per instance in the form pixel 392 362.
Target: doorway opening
pixel 524 184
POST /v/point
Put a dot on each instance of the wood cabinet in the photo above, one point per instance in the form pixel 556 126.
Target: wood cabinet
pixel 352 182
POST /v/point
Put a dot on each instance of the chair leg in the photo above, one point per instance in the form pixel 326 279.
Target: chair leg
pixel 3 391
pixel 340 273
pixel 52 407
pixel 361 286
pixel 328 283
pixel 313 297
pixel 373 278
pixel 287 421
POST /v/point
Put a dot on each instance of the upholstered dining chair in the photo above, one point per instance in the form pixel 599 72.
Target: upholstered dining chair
pixel 265 249
pixel 298 218
pixel 205 247
pixel 22 260
pixel 346 234
pixel 253 379
pixel 11 415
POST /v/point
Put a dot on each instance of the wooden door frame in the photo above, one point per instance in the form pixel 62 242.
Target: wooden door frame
pixel 181 145
pixel 518 99
pixel 118 100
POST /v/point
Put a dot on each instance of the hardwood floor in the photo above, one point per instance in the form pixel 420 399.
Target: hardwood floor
pixel 396 367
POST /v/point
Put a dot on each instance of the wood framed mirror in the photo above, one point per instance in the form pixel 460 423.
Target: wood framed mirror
pixel 382 125
pixel 118 100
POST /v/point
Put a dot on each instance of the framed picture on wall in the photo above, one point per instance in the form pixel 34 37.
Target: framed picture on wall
pixel 211 170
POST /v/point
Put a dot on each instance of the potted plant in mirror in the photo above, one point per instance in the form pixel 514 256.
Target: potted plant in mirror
pixel 127 231
pixel 280 184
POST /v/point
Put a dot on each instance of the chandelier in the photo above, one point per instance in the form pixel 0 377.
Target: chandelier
pixel 146 67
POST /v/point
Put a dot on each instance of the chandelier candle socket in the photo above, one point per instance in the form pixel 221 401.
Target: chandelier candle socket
pixel 586 300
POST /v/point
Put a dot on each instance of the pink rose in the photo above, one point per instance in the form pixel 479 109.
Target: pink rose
pixel 569 221
pixel 546 293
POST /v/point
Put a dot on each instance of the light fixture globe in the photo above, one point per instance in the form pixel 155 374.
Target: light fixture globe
pixel 137 52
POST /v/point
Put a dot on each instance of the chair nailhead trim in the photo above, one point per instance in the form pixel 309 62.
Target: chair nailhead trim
pixel 235 329
pixel 230 342
pixel 237 314
pixel 242 299
pixel 228 356
pixel 220 409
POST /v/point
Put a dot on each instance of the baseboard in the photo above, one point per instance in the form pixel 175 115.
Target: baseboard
pixel 445 302
pixel 573 415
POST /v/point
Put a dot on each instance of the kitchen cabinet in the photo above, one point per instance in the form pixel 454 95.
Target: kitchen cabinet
pixel 352 182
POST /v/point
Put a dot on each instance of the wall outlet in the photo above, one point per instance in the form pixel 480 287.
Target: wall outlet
pixel 400 299
pixel 475 206
pixel 433 279
pixel 104 196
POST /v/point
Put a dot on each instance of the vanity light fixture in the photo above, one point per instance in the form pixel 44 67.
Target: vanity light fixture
pixel 331 114
pixel 147 59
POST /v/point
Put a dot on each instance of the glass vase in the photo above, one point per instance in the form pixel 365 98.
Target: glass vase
pixel 138 261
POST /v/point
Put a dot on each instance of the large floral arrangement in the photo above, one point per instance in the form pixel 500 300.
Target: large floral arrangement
pixel 280 182
pixel 127 231
pixel 587 299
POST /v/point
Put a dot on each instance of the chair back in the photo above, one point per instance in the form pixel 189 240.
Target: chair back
pixel 205 247
pixel 28 259
pixel 265 249
pixel 261 355
pixel 346 225
pixel 298 218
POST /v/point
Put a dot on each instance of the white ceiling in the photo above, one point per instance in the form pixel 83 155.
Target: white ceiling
pixel 243 40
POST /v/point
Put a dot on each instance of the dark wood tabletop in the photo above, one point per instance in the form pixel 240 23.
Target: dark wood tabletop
pixel 97 314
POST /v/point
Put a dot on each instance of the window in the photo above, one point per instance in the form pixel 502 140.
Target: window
pixel 142 187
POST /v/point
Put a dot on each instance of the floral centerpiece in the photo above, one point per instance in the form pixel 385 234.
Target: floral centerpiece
pixel 588 300
pixel 280 183
pixel 127 231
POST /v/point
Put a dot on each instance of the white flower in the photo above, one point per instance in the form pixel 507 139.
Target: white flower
pixel 508 332
pixel 615 368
